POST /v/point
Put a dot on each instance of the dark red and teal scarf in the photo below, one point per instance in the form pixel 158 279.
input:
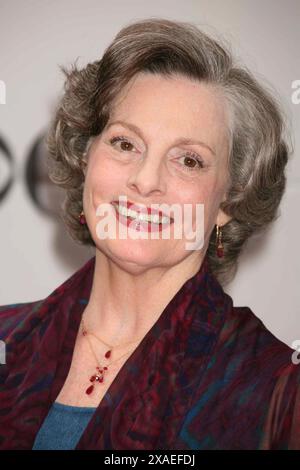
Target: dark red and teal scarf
pixel 207 375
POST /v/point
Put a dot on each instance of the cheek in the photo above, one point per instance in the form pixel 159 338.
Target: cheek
pixel 99 167
pixel 206 192
pixel 197 192
pixel 102 176
pixel 212 202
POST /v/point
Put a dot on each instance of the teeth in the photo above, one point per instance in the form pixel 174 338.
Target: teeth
pixel 143 217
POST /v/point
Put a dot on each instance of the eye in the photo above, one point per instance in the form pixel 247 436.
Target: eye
pixel 125 144
pixel 192 161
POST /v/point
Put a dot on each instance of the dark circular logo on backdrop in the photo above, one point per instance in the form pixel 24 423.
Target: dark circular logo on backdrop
pixel 45 195
pixel 6 169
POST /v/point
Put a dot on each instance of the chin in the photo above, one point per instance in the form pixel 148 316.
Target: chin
pixel 133 255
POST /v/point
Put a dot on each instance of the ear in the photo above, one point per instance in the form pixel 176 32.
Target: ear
pixel 222 218
pixel 85 155
pixel 83 166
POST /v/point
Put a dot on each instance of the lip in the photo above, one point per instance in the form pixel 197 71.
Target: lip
pixel 141 209
pixel 140 226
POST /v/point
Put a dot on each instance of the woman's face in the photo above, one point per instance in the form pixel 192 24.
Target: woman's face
pixel 141 155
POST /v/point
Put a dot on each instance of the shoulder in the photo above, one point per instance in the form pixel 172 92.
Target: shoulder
pixel 16 320
pixel 13 316
pixel 248 348
pixel 248 331
pixel 263 376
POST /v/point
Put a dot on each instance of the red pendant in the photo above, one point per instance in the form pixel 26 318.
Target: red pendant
pixel 89 390
pixel 107 354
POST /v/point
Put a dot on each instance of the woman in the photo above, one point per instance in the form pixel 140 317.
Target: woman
pixel 142 348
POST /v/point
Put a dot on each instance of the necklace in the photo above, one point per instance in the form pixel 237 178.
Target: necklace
pixel 100 370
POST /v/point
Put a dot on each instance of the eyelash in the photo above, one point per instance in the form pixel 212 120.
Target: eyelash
pixel 188 153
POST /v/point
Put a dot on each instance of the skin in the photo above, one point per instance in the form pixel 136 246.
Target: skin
pixel 153 169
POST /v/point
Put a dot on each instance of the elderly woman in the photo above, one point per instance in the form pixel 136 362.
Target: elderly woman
pixel 141 348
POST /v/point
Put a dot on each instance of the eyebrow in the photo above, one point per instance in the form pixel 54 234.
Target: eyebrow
pixel 180 140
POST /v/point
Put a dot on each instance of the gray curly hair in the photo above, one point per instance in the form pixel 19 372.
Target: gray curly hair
pixel 258 152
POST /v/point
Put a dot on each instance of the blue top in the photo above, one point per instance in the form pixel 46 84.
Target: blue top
pixel 63 427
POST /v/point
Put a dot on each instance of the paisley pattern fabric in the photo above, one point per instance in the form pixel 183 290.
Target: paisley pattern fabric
pixel 207 375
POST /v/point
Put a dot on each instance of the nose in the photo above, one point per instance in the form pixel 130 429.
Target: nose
pixel 147 177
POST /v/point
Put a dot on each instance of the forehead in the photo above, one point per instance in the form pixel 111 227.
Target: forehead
pixel 175 105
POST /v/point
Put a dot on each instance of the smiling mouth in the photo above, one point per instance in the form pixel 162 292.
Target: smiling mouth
pixel 146 215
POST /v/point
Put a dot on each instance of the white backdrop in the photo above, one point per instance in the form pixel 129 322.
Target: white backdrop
pixel 37 35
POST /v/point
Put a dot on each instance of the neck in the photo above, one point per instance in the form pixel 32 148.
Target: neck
pixel 126 304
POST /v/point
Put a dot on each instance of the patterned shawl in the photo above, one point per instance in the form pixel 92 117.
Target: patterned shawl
pixel 207 375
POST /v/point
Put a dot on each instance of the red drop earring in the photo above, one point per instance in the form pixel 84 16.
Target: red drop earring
pixel 219 245
pixel 82 218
